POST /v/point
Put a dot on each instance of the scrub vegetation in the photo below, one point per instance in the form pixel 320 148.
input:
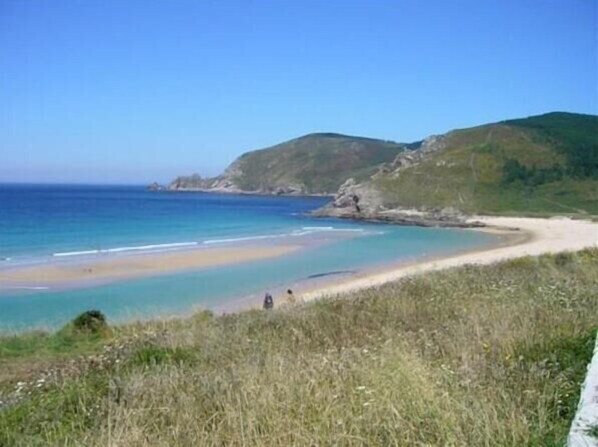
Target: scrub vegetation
pixel 485 355
pixel 546 164
pixel 321 162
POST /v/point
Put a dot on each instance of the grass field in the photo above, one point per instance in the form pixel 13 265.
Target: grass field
pixel 476 356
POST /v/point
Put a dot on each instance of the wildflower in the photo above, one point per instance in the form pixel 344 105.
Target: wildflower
pixel 360 388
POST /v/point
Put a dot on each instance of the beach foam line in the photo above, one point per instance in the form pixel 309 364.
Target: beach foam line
pixel 241 239
pixel 149 247
pixel 310 230
pixel 76 253
pixel 304 231
pixel 26 287
pixel 124 249
pixel 358 230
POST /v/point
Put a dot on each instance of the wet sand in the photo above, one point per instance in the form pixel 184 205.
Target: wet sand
pixel 131 266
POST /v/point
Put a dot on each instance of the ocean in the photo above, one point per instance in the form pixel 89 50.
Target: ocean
pixel 41 224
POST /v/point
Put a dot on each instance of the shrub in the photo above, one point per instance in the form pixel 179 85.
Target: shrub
pixel 92 321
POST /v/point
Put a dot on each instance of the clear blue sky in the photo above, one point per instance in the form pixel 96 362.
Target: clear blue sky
pixel 132 91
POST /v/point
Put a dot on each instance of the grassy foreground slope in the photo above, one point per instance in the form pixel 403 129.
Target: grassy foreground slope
pixel 538 165
pixel 489 355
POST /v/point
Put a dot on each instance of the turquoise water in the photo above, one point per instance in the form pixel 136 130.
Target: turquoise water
pixel 38 221
pixel 74 219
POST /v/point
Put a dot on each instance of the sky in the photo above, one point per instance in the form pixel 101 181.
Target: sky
pixel 127 91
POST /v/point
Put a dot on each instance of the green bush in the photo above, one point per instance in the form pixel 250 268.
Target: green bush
pixel 91 321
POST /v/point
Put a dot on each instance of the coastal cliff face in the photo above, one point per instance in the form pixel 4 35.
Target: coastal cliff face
pixel 312 164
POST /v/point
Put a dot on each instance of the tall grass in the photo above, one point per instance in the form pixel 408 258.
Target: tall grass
pixel 476 356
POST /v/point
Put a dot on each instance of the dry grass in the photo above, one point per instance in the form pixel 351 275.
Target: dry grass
pixel 477 356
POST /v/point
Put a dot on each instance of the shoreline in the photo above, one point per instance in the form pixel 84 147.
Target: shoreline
pixel 341 282
pixel 528 237
pixel 61 274
pixel 517 237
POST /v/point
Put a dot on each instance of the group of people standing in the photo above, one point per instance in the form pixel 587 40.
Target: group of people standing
pixel 269 300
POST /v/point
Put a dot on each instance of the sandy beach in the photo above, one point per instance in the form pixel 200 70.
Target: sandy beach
pixel 139 264
pixel 528 237
pixel 521 237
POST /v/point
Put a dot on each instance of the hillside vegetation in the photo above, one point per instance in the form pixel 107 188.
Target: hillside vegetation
pixel 541 164
pixel 313 164
pixel 473 356
pixel 320 162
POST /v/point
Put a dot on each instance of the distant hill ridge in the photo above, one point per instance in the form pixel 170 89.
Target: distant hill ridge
pixel 540 164
pixel 316 163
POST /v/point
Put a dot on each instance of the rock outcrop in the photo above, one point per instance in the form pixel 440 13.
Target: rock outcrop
pixel 406 159
pixel 358 197
pixel 363 201
pixel 155 186
pixel 191 182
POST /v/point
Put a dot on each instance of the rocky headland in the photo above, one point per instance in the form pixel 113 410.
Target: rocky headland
pixel 544 164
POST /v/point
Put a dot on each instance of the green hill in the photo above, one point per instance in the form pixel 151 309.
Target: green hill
pixel 544 164
pixel 313 164
pixel 541 164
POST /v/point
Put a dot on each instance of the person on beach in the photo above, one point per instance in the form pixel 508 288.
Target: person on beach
pixel 268 301
pixel 291 297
